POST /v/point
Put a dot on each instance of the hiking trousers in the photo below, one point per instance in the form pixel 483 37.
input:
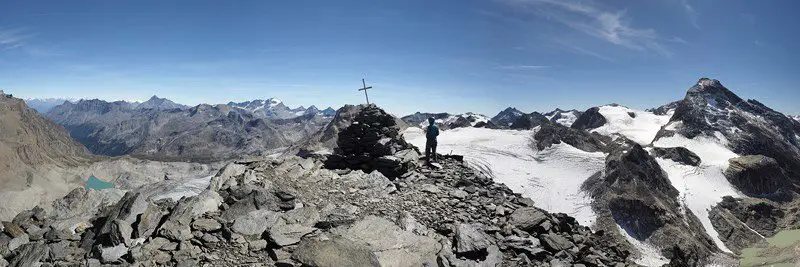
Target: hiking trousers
pixel 430 149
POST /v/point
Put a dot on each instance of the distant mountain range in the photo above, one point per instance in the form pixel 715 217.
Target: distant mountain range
pixel 43 105
pixel 446 120
pixel 164 130
pixel 510 118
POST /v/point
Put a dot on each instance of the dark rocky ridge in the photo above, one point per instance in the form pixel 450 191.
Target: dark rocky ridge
pixel 665 109
pixel 551 133
pixel 506 117
pixel 529 121
pixel 589 119
pixel 677 154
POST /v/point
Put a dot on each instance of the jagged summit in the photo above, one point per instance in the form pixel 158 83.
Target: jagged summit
pixel 507 117
pixel 750 127
pixel 160 104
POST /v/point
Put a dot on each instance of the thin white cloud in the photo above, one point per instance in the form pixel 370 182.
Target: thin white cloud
pixel 582 51
pixel 608 25
pixel 691 12
pixel 522 67
pixel 678 40
pixel 13 38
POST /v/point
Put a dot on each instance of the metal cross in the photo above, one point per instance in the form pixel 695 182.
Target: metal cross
pixel 365 88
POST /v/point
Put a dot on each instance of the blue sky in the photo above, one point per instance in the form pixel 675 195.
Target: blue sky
pixel 428 55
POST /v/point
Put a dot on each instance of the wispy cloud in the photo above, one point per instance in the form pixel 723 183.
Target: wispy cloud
pixel 690 12
pixel 678 40
pixel 522 67
pixel 605 24
pixel 582 51
pixel 13 38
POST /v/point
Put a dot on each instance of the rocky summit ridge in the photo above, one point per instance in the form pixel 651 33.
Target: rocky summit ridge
pixel 296 211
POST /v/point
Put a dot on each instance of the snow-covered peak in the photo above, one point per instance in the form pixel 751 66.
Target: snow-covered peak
pixel 563 117
pixel 639 126
pixel 274 101
pixel 706 82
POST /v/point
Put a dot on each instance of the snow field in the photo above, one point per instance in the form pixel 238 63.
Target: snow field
pixel 642 129
pixel 704 186
pixel 551 177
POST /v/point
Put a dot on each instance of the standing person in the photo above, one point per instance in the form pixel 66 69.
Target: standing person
pixel 430 146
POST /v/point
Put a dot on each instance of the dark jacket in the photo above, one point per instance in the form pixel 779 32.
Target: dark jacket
pixel 432 132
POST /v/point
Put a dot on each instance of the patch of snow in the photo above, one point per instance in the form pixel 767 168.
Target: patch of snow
pixel 704 186
pixel 551 177
pixel 567 119
pixel 648 254
pixel 641 129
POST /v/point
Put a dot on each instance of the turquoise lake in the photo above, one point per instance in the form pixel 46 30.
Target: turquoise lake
pixel 97 184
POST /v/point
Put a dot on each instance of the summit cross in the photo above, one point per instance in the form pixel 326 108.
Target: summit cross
pixel 365 88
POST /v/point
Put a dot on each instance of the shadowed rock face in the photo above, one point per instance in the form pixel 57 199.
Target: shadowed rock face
pixel 506 117
pixel 529 121
pixel 677 154
pixel 665 109
pixel 589 119
pixel 553 133
pixel 743 223
pixel 756 175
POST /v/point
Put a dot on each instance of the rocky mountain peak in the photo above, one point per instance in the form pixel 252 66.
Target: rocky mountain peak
pixel 713 92
pixel 158 103
pixel 749 127
pixel 507 117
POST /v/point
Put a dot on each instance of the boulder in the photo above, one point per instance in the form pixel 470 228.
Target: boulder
pixel 148 221
pixel 392 245
pixel 527 218
pixel 470 241
pixel 555 243
pixel 335 252
pixel 30 254
pixel 12 229
pixel 288 234
pixel 113 254
pixel 206 225
pixel 255 223
pixel 177 225
pixel 226 176
pixel 17 242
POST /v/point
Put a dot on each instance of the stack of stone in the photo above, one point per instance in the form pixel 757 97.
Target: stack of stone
pixel 373 142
